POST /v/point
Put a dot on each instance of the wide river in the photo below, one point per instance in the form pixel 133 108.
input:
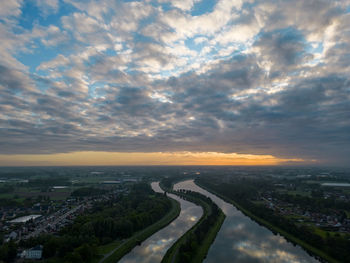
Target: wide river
pixel 242 240
pixel 154 248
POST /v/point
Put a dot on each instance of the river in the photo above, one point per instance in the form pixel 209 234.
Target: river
pixel 154 248
pixel 242 240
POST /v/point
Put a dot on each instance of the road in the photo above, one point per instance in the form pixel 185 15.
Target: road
pixel 43 226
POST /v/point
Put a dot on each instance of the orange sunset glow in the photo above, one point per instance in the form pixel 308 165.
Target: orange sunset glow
pixel 140 158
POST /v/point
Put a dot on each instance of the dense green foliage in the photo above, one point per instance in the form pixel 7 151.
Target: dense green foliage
pixel 8 251
pixel 5 189
pixel 242 192
pixel 140 236
pixel 8 202
pixel 167 182
pixel 114 219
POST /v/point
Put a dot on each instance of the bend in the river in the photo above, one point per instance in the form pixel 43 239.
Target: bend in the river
pixel 154 248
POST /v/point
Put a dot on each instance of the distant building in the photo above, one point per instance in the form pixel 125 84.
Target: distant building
pixel 25 219
pixel 12 236
pixel 111 182
pixel 33 253
pixel 130 180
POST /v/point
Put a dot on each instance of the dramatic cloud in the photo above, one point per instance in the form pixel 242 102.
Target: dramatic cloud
pixel 246 77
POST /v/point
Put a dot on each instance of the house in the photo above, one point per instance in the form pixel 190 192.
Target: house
pixel 12 236
pixel 34 253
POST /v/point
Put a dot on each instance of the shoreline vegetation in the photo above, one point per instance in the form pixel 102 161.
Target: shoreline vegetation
pixel 109 228
pixel 318 254
pixel 126 246
pixel 193 246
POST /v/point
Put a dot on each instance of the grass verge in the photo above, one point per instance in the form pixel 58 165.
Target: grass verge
pixel 104 249
pixel 209 239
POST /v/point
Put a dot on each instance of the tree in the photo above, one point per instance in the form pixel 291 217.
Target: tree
pixel 73 257
pixel 50 246
pixel 8 251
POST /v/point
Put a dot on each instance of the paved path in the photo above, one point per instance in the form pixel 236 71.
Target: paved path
pixel 111 252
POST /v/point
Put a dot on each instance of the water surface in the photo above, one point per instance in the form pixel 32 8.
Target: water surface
pixel 242 240
pixel 154 248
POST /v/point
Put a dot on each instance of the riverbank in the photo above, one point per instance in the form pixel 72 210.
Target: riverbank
pixel 310 249
pixel 167 184
pixel 201 251
pixel 209 239
pixel 126 246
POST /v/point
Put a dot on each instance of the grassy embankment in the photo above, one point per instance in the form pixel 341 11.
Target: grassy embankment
pixel 119 249
pixel 105 249
pixel 202 250
pixel 312 250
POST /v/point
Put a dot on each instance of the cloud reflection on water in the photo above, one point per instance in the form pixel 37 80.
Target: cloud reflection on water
pixel 242 240
pixel 154 248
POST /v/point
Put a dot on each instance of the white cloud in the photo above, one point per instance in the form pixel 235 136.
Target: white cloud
pixel 237 33
pixel 57 62
pixel 186 26
pixel 184 5
pixel 199 40
pixel 48 6
pixel 10 8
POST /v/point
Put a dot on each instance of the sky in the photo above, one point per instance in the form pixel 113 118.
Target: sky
pixel 234 82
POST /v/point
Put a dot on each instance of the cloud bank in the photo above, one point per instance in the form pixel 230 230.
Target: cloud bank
pixel 247 77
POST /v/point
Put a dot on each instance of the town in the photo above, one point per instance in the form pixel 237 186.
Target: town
pixel 48 211
pixel 334 220
pixel 308 206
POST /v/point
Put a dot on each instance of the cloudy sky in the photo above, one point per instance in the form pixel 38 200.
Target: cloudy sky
pixel 160 82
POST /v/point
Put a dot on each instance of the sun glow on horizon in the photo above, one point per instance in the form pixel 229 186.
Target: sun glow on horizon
pixel 92 158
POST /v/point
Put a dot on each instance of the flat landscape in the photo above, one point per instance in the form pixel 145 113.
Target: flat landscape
pixel 178 131
pixel 301 208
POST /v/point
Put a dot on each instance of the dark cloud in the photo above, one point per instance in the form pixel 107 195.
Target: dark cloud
pixel 208 112
pixel 284 47
pixel 286 93
pixel 12 80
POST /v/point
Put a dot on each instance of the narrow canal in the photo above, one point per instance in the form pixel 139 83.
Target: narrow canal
pixel 154 248
pixel 242 240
